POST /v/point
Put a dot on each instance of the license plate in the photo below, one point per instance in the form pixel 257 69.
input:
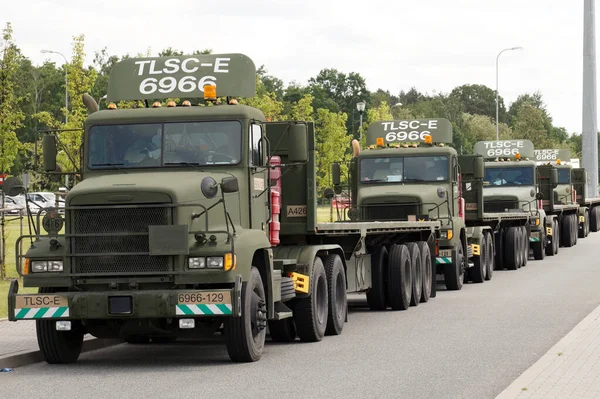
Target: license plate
pixel 205 297
pixel 445 253
pixel 41 301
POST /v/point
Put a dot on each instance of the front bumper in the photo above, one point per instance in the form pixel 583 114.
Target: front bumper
pixel 116 305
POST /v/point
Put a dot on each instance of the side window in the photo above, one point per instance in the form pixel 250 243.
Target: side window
pixel 256 154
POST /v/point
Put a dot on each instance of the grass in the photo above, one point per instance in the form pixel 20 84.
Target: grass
pixel 325 215
pixel 13 231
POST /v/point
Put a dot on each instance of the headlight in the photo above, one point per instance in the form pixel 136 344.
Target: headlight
pixel 446 234
pixel 196 263
pixel 38 266
pixel 214 262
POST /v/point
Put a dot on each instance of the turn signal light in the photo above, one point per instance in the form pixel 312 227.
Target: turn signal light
pixel 210 92
pixel 230 262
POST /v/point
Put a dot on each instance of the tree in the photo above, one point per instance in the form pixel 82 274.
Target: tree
pixel 530 124
pixel 11 116
pixel 479 100
pixel 266 102
pixel 332 143
pixel 302 110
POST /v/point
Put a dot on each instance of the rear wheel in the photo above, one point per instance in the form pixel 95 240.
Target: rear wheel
pixel 416 272
pixel 477 273
pixel 567 231
pixel 519 254
pixel 511 249
pixel 399 277
pixel 336 286
pixel 558 234
pixel 453 272
pixel 245 335
pixel 429 276
pixel 310 314
pixel 376 294
pixel 525 245
pixel 500 244
pixel 594 221
pixel 489 263
pixel 575 227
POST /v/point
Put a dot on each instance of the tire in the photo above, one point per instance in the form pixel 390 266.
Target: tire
pixel 137 339
pixel 399 277
pixel 282 330
pixel 477 273
pixel 377 293
pixel 58 347
pixel 163 340
pixel 567 231
pixel 575 227
pixel 337 298
pixel 594 225
pixel 416 264
pixel 511 249
pixel 519 254
pixel 244 338
pixel 539 252
pixel 500 244
pixel 490 258
pixel 558 235
pixel 453 272
pixel 583 232
pixel 525 245
pixel 429 277
pixel 311 313
pixel 550 247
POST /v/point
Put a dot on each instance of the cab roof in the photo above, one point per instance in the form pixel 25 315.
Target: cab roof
pixel 425 150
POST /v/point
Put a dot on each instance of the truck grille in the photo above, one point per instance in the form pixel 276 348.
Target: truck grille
pixel 499 205
pixel 381 212
pixel 117 220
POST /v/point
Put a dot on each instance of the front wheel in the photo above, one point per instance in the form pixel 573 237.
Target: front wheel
pixel 59 346
pixel 245 335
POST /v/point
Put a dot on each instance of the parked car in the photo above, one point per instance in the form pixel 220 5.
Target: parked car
pixel 46 200
pixel 20 200
pixel 14 207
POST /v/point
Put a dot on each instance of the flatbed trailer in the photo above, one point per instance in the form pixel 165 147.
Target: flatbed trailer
pixel 591 221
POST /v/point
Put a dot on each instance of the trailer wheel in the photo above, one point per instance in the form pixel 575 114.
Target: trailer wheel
pixel 376 295
pixel 500 243
pixel 594 225
pixel 245 335
pixel 399 277
pixel 336 287
pixel 429 277
pixel 416 273
pixel 512 249
pixel 453 272
pixel 477 273
pixel 489 256
pixel 310 313
pixel 282 330
pixel 525 245
pixel 567 231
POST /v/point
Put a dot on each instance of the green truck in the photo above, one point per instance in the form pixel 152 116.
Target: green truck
pixel 408 170
pixel 197 219
pixel 571 220
pixel 511 183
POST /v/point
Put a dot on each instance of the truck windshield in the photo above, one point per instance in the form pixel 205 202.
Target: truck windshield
pixel 509 176
pixel 165 144
pixel 404 169
pixel 564 176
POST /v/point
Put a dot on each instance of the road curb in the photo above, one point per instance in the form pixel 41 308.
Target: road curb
pixel 26 358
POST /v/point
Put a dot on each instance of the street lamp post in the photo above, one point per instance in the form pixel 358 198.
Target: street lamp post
pixel 66 82
pixel 360 106
pixel 498 56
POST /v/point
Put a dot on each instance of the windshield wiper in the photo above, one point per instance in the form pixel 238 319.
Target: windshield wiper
pixel 182 163
pixel 374 181
pixel 114 165
pixel 414 179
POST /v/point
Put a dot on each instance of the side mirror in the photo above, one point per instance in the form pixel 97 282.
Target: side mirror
pixel 13 186
pixel 336 174
pixel 229 185
pixel 49 148
pixel 478 168
pixel 554 177
pixel 298 143
pixel 329 193
pixel 539 196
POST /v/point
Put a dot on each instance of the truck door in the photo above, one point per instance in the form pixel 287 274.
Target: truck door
pixel 258 179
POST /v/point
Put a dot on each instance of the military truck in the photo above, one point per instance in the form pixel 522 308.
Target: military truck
pixel 182 223
pixel 559 199
pixel 407 170
pixel 511 183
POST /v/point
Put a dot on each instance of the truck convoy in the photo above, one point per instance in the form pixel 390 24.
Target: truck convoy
pixel 511 183
pixel 408 169
pixel 183 224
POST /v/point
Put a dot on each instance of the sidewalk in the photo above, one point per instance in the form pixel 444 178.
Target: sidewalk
pixel 19 347
pixel 570 369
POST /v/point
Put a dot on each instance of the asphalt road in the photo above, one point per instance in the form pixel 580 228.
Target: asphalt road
pixel 464 344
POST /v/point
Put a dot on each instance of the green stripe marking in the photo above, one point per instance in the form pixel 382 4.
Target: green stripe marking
pixel 60 311
pixel 534 239
pixel 205 309
pixel 40 313
pixel 443 260
pixel 22 313
pixel 185 309
pixel 224 308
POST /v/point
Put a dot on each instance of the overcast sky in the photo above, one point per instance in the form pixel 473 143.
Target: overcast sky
pixel 433 45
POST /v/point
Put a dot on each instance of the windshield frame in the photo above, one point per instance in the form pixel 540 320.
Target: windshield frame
pixel 401 159
pixel 162 165
pixel 531 168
